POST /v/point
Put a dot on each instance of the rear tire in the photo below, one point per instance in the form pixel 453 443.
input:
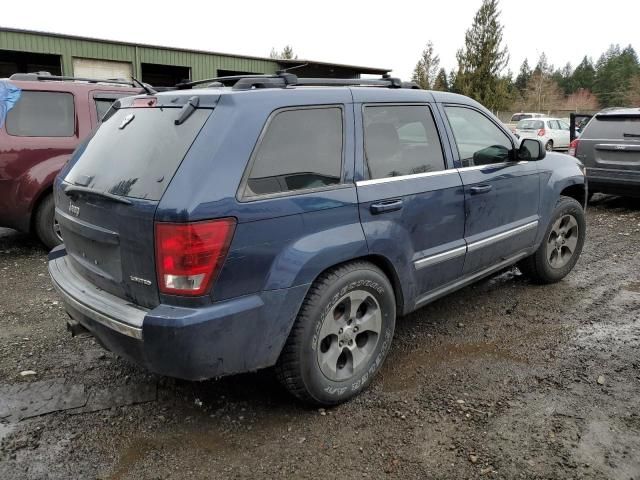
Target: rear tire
pixel 44 223
pixel 341 336
pixel 549 146
pixel 561 246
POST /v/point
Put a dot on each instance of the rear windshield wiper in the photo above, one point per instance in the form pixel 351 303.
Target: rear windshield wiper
pixel 71 189
pixel 187 110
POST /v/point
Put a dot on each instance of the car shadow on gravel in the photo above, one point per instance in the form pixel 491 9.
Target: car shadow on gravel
pixel 15 242
pixel 613 202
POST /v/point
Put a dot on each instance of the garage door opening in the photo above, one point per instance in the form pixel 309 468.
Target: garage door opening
pixel 24 62
pixel 164 75
pixel 101 69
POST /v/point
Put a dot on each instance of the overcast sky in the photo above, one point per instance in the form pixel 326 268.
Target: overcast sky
pixel 368 33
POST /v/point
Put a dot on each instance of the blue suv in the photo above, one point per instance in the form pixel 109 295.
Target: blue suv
pixel 287 222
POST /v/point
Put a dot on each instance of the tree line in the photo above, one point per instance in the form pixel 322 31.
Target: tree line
pixel 613 80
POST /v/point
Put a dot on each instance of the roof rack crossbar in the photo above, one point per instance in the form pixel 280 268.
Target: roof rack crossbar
pixel 230 78
pixel 284 79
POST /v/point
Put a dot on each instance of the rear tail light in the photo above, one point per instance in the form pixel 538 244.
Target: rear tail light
pixel 542 132
pixel 190 255
pixel 573 147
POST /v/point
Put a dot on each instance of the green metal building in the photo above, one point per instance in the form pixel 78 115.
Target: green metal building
pixel 24 51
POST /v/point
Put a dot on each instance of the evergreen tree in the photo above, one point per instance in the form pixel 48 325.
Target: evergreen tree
pixel 564 78
pixel 523 77
pixel 633 94
pixel 285 54
pixel 614 71
pixel 584 75
pixel 441 82
pixel 426 70
pixel 483 59
pixel 543 65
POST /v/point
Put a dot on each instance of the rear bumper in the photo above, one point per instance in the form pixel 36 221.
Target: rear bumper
pixel 238 335
pixel 616 182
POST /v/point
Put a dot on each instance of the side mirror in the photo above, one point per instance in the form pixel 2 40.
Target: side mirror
pixel 531 149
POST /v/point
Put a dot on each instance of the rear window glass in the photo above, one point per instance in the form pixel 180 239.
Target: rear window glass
pixel 136 152
pixel 300 150
pixel 520 116
pixel 530 125
pixel 613 127
pixel 42 114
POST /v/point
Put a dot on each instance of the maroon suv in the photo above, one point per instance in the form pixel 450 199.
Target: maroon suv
pixel 41 130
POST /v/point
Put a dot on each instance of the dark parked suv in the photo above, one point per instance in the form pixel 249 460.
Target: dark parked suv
pixel 221 230
pixel 609 147
pixel 41 130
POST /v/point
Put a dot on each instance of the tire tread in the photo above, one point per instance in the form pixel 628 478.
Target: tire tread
pixel 532 266
pixel 287 368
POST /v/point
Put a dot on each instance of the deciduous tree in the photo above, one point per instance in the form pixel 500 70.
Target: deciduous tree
pixel 426 70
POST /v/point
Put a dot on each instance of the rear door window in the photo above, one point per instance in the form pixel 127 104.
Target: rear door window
pixel 401 140
pixel 136 152
pixel 300 149
pixel 42 114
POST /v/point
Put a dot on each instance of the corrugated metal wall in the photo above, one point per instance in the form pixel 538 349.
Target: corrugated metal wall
pixel 203 65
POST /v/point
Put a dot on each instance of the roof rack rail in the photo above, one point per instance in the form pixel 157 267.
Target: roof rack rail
pixel 284 79
pixel 39 76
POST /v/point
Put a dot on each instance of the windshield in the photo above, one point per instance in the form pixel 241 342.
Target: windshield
pixel 530 125
pixel 136 152
pixel 520 116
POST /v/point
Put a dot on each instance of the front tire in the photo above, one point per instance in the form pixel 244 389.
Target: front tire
pixel 341 336
pixel 561 246
pixel 45 225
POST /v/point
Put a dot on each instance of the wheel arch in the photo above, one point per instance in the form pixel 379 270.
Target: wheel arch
pixel 576 191
pixel 383 264
pixel 36 205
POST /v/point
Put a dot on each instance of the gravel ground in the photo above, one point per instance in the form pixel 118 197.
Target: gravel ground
pixel 501 380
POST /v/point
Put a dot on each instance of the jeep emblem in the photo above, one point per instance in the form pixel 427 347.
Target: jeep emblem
pixel 74 210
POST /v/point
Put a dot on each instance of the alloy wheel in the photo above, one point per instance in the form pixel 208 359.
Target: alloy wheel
pixel 562 241
pixel 349 335
pixel 56 229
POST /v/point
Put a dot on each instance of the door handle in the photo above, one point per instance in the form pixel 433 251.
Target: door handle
pixel 387 206
pixel 480 189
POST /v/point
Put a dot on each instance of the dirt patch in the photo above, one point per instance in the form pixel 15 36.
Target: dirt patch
pixel 501 380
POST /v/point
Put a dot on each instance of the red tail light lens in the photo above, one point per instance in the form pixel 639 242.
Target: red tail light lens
pixel 541 132
pixel 573 147
pixel 190 255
